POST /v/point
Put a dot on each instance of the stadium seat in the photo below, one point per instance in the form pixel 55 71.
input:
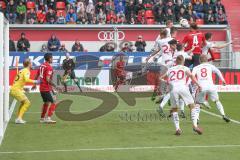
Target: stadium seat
pixel 150 21
pixel 60 5
pixel 30 5
pixel 3 4
pixel 149 14
pixel 148 6
pixel 200 21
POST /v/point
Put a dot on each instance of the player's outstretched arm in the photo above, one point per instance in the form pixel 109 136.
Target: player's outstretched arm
pixel 35 78
pixel 222 45
pixel 218 72
pixel 152 54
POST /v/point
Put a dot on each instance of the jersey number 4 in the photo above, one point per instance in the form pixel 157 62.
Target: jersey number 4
pixel 195 40
pixel 176 75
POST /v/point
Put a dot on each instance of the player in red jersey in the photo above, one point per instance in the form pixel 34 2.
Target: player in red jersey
pixel 119 73
pixel 194 39
pixel 45 73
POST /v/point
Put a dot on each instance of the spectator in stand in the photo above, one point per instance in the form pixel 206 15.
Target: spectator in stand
pixel 42 5
pixel 178 7
pixel 82 17
pixel 63 48
pixel 170 6
pixel 186 2
pixel 11 12
pixel 132 20
pixel 51 4
pixel 190 16
pixel 130 10
pixel 51 16
pixel 207 6
pixel 209 18
pixel 182 14
pixel 90 10
pixel 120 9
pixel 189 7
pixel 110 6
pixel 219 6
pixel 140 44
pixel 139 6
pixel 71 16
pixel 21 11
pixel 44 48
pixel 80 7
pixel 77 47
pixel 108 47
pixel 53 43
pixel 101 16
pixel 111 17
pixel 99 6
pixel 121 19
pixel 41 16
pixel 198 10
pixel 90 16
pixel 23 44
pixel 221 17
pixel 2 9
pixel 170 15
pixel 127 48
pixel 31 17
pixel 160 16
pixel 12 47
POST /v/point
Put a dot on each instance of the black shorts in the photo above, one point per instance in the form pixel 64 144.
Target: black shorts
pixel 195 61
pixel 48 96
pixel 70 74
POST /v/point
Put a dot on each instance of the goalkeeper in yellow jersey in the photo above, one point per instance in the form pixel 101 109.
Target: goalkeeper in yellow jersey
pixel 17 90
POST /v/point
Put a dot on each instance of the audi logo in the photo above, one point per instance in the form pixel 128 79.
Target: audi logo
pixel 109 35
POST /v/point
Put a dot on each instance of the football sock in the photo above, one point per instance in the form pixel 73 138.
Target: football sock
pixel 176 120
pixel 220 108
pixel 181 105
pixel 51 109
pixel 195 114
pixel 165 100
pixel 23 108
pixel 44 110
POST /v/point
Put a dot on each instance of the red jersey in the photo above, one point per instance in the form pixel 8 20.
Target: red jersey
pixel 119 71
pixel 196 39
pixel 45 70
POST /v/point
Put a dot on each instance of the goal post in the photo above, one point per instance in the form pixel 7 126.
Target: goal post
pixel 4 74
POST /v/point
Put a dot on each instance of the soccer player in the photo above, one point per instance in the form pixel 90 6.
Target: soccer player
pixel 177 77
pixel 69 66
pixel 45 72
pixel 203 72
pixel 119 73
pixel 194 39
pixel 17 90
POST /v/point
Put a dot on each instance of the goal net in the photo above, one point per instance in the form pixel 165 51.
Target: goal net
pixel 4 75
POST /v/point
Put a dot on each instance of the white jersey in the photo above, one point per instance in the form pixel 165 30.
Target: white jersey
pixel 203 73
pixel 182 53
pixel 158 37
pixel 207 47
pixel 165 50
pixel 177 76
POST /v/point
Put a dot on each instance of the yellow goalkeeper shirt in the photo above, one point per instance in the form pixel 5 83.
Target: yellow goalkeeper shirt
pixel 21 79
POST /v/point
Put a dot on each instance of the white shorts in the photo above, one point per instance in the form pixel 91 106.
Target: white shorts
pixel 184 94
pixel 201 96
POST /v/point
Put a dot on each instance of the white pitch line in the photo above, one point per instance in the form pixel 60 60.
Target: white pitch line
pixel 216 115
pixel 120 149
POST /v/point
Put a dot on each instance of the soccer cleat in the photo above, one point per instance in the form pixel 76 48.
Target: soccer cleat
pixel 198 130
pixel 182 114
pixel 161 113
pixel 49 120
pixel 178 132
pixel 42 120
pixel 20 121
pixel 207 105
pixel 226 119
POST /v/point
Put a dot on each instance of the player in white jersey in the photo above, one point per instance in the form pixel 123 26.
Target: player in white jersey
pixel 210 45
pixel 177 78
pixel 203 72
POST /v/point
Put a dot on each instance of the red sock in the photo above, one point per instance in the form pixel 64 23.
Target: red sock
pixel 51 109
pixel 206 98
pixel 44 110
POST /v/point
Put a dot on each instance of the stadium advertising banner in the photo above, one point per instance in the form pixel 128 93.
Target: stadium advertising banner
pixel 93 68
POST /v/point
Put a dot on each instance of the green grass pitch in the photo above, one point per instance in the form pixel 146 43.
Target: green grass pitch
pixel 116 136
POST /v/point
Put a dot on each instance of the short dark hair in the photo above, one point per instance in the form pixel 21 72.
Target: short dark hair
pixel 208 35
pixel 173 29
pixel 179 47
pixel 194 26
pixel 48 56
pixel 173 41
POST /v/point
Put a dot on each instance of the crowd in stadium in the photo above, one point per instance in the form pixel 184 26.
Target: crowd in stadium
pixel 113 11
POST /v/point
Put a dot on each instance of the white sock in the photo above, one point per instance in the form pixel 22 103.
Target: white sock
pixel 220 108
pixel 165 100
pixel 195 114
pixel 176 120
pixel 181 104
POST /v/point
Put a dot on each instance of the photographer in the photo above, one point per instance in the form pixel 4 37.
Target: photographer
pixel 23 44
pixel 140 44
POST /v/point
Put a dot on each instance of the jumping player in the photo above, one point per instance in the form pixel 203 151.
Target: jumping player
pixel 45 72
pixel 203 72
pixel 17 90
pixel 119 73
pixel 177 77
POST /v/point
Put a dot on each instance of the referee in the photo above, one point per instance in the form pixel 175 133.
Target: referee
pixel 69 66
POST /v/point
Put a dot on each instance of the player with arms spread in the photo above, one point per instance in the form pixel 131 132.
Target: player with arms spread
pixel 194 39
pixel 177 77
pixel 45 72
pixel 17 90
pixel 203 72
pixel 119 73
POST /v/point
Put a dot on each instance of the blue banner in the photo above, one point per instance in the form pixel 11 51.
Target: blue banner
pixel 84 60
